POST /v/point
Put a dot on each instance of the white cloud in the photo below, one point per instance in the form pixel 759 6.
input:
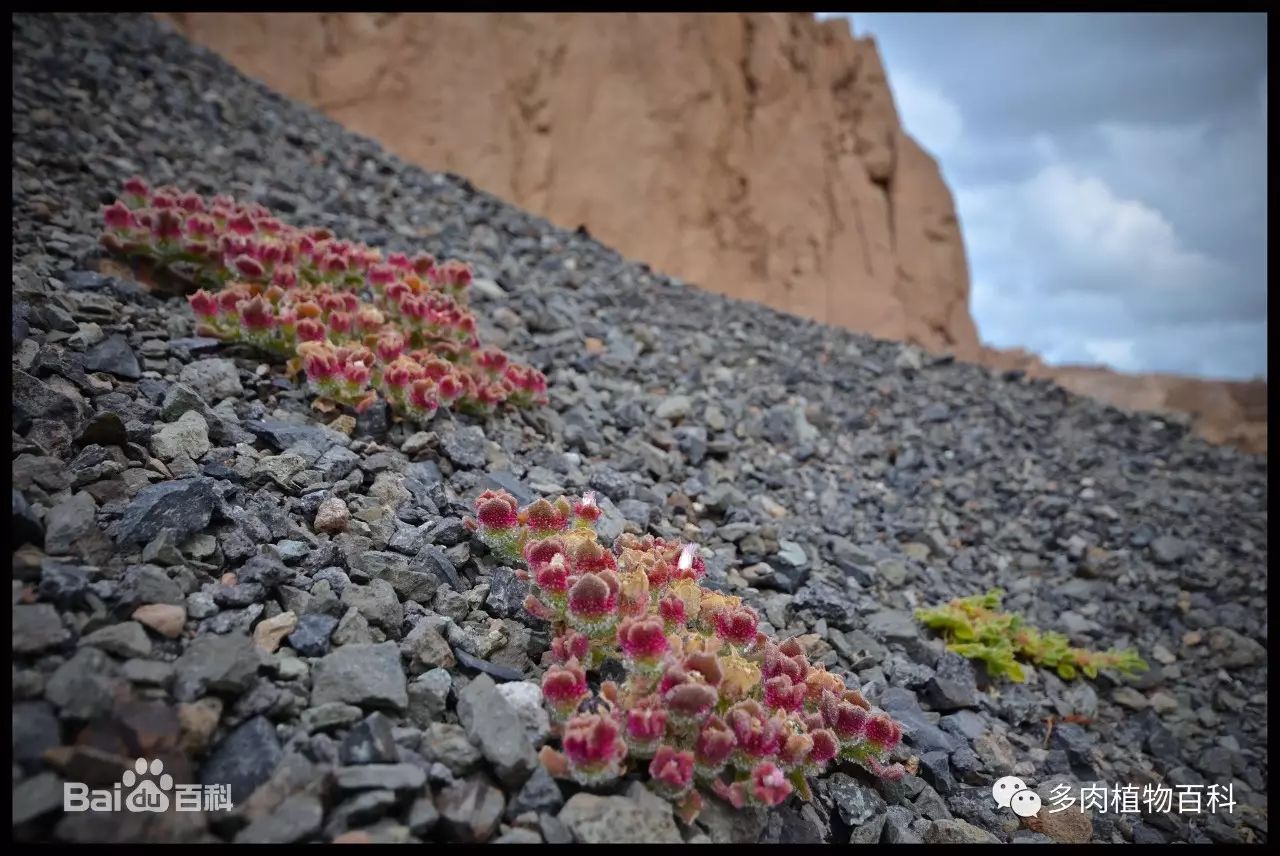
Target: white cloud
pixel 1112 352
pixel 1091 229
pixel 1119 217
pixel 927 114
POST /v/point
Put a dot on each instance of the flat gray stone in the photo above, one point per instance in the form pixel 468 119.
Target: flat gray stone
pixel 367 675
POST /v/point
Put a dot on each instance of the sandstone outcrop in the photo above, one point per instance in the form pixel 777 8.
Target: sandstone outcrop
pixel 759 155
pixel 756 155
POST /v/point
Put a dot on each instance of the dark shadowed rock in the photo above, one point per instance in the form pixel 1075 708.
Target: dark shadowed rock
pixel 113 355
pixel 281 435
pixel 431 559
pixel 184 506
pixel 369 742
pixel 26 528
pixel 244 759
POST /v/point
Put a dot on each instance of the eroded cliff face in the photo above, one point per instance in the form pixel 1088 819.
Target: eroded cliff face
pixel 758 155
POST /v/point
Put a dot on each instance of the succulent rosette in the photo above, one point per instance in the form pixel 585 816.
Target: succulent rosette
pixel 410 313
pixel 701 701
pixel 594 747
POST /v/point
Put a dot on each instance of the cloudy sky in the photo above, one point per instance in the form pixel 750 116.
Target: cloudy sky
pixel 1110 174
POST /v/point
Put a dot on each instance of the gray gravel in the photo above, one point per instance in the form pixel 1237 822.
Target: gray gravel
pixel 835 481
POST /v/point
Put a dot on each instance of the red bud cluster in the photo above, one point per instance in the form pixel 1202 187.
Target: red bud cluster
pixel 711 703
pixel 361 325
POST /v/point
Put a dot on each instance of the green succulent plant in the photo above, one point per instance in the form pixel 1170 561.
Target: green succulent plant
pixel 975 627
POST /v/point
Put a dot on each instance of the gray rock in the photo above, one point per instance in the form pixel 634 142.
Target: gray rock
pixel 162 550
pixel 506 593
pixel 432 560
pixel 84 686
pixel 424 648
pixel 143 584
pixel 70 529
pixel 525 697
pixel 673 407
pixel 892 624
pixel 787 825
pixel 35 399
pixel 63 584
pixel 244 759
pixel 618 820
pixel 897 827
pixel 212 378
pixel 37 627
pixel 353 629
pixel 378 603
pixel 35 730
pixel 855 803
pixel 151 673
pixel 216 664
pixel 957 832
pixel 495 726
pixel 391 777
pixel 369 742
pixel 422 816
pixel 1235 650
pixel 189 436
pixel 200 605
pixel 126 639
pixel 429 695
pixel 470 810
pixel 416 584
pixel 930 803
pixel 497 671
pixel 311 637
pixel 26 527
pixel 364 675
pixel 448 744
pixel 362 808
pixel 786 425
pixel 610 483
pixel 337 462
pixel 540 793
pixel 466 447
pixel 282 435
pixel 114 356
pixel 954 685
pixel 36 797
pixel 1168 550
pixel 964 723
pixel 791 566
pixel 869 832
pixel 917 730
pixel 298 818
pixel 935 768
pixel 324 717
pixel 183 506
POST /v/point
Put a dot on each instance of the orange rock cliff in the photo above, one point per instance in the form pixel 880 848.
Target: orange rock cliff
pixel 759 155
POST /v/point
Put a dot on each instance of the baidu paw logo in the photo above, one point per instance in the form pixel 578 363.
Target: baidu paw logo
pixel 1012 792
pixel 150 793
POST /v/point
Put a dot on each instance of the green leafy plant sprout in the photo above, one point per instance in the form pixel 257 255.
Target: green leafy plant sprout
pixel 976 627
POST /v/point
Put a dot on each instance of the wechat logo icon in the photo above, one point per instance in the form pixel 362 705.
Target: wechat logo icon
pixel 1011 792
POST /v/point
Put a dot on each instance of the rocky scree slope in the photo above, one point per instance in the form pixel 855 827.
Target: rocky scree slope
pixel 854 226
pixel 834 480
